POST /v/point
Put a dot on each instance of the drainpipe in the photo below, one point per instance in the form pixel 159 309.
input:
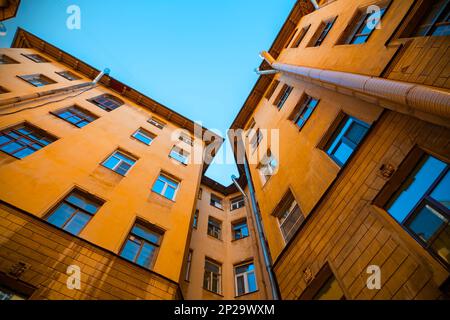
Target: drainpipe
pixel 37 95
pixel 431 104
pixel 265 72
pixel 257 217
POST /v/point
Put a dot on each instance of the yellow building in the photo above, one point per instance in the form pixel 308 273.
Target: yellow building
pixel 354 194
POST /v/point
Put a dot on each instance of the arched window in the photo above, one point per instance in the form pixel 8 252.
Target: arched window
pixel 107 102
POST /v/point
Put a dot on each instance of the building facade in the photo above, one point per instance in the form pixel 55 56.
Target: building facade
pixel 224 260
pixel 345 153
pixel 354 193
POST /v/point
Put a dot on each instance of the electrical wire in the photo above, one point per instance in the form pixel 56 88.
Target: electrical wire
pixel 48 102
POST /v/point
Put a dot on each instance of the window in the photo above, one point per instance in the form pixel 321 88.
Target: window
pixel 179 155
pixel 36 58
pixel 212 278
pixel 215 201
pixel 237 202
pixel 362 26
pixel 188 265
pixel 166 187
pixel 12 288
pixel 3 90
pixel 289 216
pixel 245 279
pixel 303 110
pixel 267 167
pixel 322 33
pixel 195 223
pixel 272 89
pixel 142 245
pixel 300 36
pixel 200 193
pixel 240 229
pixel 290 38
pixel 4 59
pixel 9 295
pixel 119 162
pixel 37 80
pixel 68 75
pixel 144 136
pixel 282 96
pixel 157 123
pixel 434 20
pixel 76 116
pixel 214 228
pixel 23 140
pixel 346 138
pixel 422 202
pixel 186 139
pixel 106 102
pixel 256 139
pixel 74 212
pixel 324 287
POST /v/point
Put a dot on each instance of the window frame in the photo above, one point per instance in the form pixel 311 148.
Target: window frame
pixel 219 276
pixel 121 161
pixel 80 112
pixel 217 224
pixel 391 190
pixel 219 201
pixel 239 200
pixel 183 155
pixel 322 32
pixel 165 187
pixel 20 135
pixel 187 273
pixel 298 40
pixel 303 105
pixel 145 133
pixel 157 123
pixel 421 14
pixel 320 280
pixel 36 58
pixel 109 99
pixel 195 219
pixel 32 80
pixel 245 275
pixel 157 245
pixel 8 59
pixel 283 96
pixel 282 207
pixel 77 210
pixel 68 75
pixel 272 88
pixel 234 230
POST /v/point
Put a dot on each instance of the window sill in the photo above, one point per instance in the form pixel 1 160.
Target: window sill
pixel 221 209
pixel 178 162
pixel 246 294
pixel 215 293
pixel 212 237
pixel 111 170
pixel 162 197
pixel 234 240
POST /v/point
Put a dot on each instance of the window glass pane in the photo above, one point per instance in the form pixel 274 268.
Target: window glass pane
pixel 4 139
pixel 123 168
pixel 240 285
pixel 61 215
pixel 158 186
pixel 251 282
pixel 77 223
pixel 130 250
pixel 356 132
pixel 442 191
pixel 415 187
pixel 146 234
pixel 427 222
pixel 82 202
pixel 24 152
pixel 170 192
pixel 343 152
pixel 111 162
pixel 11 147
pixel 146 255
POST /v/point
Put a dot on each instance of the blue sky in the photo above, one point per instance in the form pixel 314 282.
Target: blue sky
pixel 194 56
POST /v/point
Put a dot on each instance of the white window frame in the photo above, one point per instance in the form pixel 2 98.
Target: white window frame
pixel 219 277
pixel 163 191
pixel 235 204
pixel 290 210
pixel 245 276
pixel 120 161
pixel 144 132
pixel 186 139
pixel 219 227
pixel 181 153
pixel 217 204
pixel 267 167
